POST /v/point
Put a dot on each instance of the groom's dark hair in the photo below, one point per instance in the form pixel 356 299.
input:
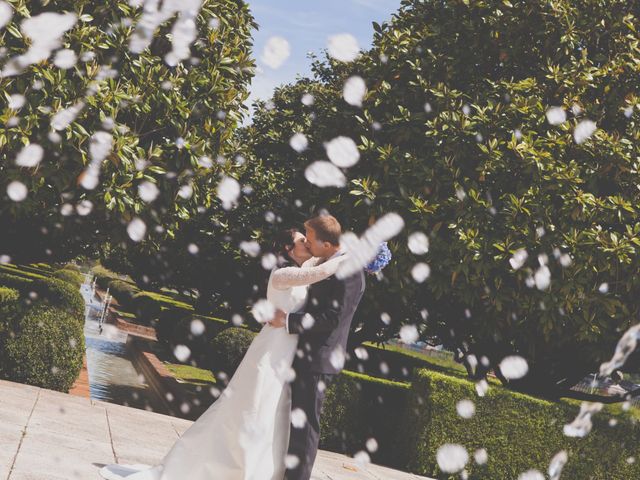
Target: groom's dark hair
pixel 327 228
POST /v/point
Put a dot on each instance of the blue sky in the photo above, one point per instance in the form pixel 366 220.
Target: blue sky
pixel 306 25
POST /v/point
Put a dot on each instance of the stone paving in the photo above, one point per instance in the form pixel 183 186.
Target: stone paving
pixel 48 435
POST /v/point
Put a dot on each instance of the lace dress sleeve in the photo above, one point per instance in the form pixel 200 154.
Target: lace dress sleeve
pixel 288 277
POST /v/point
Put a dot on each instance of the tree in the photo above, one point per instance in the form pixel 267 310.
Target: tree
pixel 159 122
pixel 457 134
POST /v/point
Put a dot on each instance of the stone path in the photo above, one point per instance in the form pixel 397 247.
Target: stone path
pixel 48 435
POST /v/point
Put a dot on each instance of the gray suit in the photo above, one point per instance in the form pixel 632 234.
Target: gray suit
pixel 324 329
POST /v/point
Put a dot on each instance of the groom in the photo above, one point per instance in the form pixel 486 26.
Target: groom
pixel 323 329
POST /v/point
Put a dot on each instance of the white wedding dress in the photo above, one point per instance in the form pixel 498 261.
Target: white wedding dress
pixel 244 434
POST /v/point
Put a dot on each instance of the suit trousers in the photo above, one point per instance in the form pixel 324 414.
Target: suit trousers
pixel 308 396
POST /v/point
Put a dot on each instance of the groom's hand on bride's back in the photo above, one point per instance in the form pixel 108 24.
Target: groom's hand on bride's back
pixel 279 319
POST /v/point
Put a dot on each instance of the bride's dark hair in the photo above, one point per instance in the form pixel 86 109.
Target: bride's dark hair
pixel 283 242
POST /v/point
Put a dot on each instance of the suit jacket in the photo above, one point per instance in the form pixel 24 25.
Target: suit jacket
pixel 325 323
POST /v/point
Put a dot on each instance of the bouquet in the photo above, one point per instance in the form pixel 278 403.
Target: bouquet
pixel 381 260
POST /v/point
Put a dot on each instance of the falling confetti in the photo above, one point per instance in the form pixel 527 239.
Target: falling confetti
pixel 276 52
pixel 584 130
pixel 556 115
pixel 582 424
pixel 251 248
pixel 531 475
pixel 17 191
pixel 298 418
pixel 65 59
pixel 148 191
pixel 466 408
pixel 480 456
pixel 30 156
pixel 228 192
pixel 354 91
pixel 542 278
pixel 514 367
pixel 6 13
pixel 182 353
pixel 558 462
pixel 451 458
pixel 343 47
pixel 137 229
pixel 197 327
pixel 299 142
pixel 325 174
pixel 420 272
pixel 45 31
pixel 418 243
pixel 263 311
pixel 343 152
pixel 518 259
pixel 409 334
pixel 63 118
pixel 16 101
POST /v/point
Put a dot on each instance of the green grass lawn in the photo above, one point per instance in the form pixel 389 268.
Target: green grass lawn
pixel 189 374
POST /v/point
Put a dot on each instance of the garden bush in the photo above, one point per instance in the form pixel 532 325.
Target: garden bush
pixel 8 295
pixel 123 292
pixel 73 277
pixel 104 276
pixel 146 308
pixel 359 407
pixel 519 433
pixel 43 346
pixel 229 347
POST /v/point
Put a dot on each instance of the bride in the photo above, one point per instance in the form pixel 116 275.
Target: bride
pixel 245 433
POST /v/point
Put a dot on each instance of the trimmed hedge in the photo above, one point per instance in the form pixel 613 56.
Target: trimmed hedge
pixel 56 292
pixel 229 347
pixel 8 295
pixel 103 276
pixel 43 346
pixel 145 307
pixel 123 292
pixel 519 433
pixel 70 276
pixel 359 407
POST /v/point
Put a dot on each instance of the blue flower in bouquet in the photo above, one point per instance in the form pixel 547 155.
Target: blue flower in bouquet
pixel 382 260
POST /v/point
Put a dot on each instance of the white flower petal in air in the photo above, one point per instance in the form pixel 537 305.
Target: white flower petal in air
pixel 451 458
pixel 307 99
pixel 343 152
pixel 418 243
pixel 362 458
pixel 228 192
pixel 542 278
pixel 269 261
pixel 251 248
pixel 100 146
pixel 263 311
pixel 482 387
pixel 197 327
pixel 325 174
pixel 584 130
pixel 185 191
pixel 6 13
pixel 182 353
pixel 582 424
pixel 276 52
pixel 299 142
pixel 63 118
pixel 65 59
pixel 372 445
pixel 558 462
pixel 16 101
pixel 137 229
pixel 556 115
pixel 148 191
pixel 298 418
pixel 514 367
pixel 343 47
pixel 291 461
pixel 337 358
pixel 481 456
pixel 466 408
pixel 30 156
pixel 17 191
pixel 519 257
pixel 531 475
pixel 409 334
pixel 420 272
pixel 84 208
pixel 354 91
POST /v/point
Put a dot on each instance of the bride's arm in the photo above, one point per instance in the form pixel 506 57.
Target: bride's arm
pixel 288 277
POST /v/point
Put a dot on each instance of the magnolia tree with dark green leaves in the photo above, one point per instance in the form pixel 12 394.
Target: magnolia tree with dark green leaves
pixel 116 120
pixel 507 133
